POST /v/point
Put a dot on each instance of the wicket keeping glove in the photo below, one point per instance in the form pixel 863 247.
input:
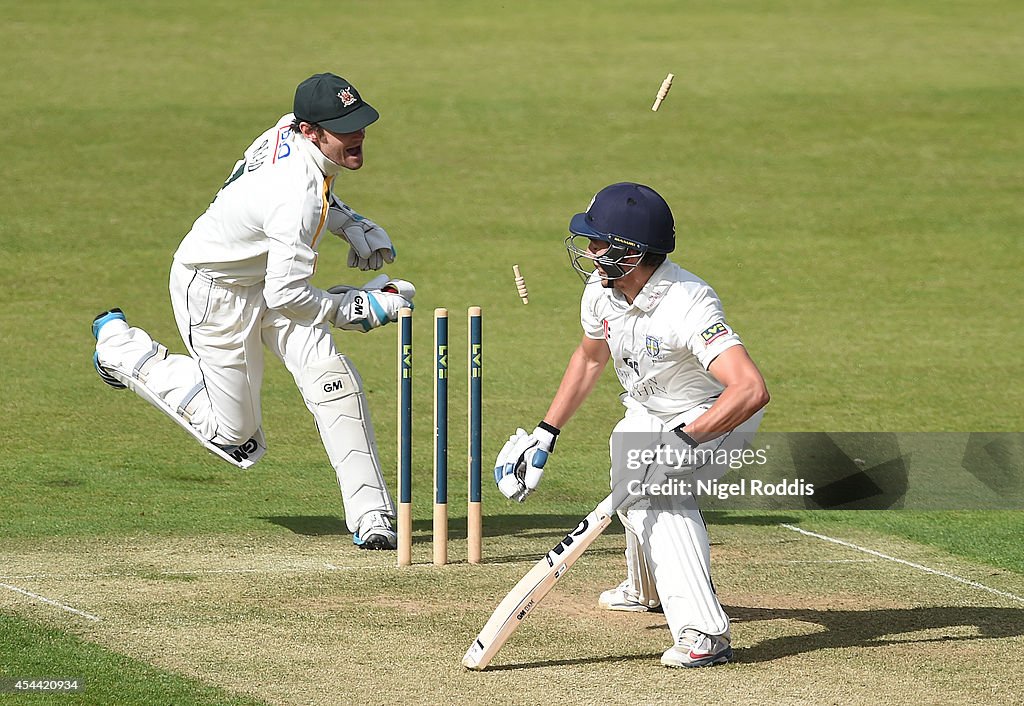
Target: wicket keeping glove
pixel 520 463
pixel 374 304
pixel 369 244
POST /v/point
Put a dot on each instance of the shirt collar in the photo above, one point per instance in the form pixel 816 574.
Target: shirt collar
pixel 655 289
pixel 327 166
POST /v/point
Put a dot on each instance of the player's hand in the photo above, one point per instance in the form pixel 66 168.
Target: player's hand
pixel 374 304
pixel 675 457
pixel 400 287
pixel 375 241
pixel 370 245
pixel 520 463
pixel 383 283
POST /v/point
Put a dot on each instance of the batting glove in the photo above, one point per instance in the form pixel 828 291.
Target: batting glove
pixel 369 244
pixel 520 463
pixel 675 456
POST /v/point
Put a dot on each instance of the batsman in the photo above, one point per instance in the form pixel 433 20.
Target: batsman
pixel 686 377
pixel 240 284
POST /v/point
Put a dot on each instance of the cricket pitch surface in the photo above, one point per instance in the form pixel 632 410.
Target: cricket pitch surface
pixel 294 619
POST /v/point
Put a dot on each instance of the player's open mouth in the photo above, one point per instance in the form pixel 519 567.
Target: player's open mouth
pixel 356 151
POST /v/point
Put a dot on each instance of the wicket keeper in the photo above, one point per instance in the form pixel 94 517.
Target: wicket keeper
pixel 240 282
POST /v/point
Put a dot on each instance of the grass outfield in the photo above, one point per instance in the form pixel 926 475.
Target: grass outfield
pixel 846 177
pixel 108 677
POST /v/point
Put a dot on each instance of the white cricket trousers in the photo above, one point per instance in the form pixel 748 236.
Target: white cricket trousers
pixel 225 328
pixel 667 540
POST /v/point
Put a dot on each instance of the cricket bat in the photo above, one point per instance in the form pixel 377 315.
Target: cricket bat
pixel 532 588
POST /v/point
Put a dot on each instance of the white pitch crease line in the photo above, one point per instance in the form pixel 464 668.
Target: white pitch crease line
pixel 271 570
pixel 49 601
pixel 821 561
pixel 44 577
pixel 919 567
pixel 185 572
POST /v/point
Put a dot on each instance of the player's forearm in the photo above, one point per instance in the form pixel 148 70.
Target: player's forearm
pixel 287 288
pixel 738 403
pixel 300 302
pixel 579 379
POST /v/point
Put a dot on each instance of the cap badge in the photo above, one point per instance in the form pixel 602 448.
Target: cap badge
pixel 346 96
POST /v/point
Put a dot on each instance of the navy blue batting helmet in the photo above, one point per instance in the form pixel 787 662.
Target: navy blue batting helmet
pixel 628 214
pixel 629 217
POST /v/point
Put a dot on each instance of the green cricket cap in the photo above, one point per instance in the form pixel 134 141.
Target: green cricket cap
pixel 332 103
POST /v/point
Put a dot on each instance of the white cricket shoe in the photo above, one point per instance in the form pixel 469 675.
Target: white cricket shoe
pixel 375 532
pixel 99 322
pixel 696 649
pixel 624 598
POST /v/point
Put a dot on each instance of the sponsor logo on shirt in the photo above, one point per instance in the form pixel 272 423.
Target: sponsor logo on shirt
pixel 604 325
pixel 643 390
pixel 713 332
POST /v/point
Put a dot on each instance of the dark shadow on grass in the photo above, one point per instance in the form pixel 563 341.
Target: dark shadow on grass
pixel 844 629
pixel 722 517
pixel 212 479
pixel 536 556
pixel 872 628
pixel 609 659
pixel 310 525
pixel 64 483
pixel 553 526
pixel 556 526
pixel 559 525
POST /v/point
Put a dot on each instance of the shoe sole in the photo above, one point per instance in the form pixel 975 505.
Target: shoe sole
pixel 629 607
pixel 374 542
pixel 104 375
pixel 114 314
pixel 721 658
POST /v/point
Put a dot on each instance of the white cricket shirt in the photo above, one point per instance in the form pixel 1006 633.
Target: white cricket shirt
pixel 266 222
pixel 662 344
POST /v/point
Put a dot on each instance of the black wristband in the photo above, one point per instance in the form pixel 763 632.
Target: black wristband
pixel 548 428
pixel 686 437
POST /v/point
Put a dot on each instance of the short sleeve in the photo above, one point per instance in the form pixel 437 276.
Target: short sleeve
pixel 709 334
pixel 593 326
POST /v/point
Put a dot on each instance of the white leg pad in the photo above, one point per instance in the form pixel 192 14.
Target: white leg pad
pixel 642 586
pixel 676 545
pixel 333 392
pixel 242 455
pixel 155 375
pixel 673 543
